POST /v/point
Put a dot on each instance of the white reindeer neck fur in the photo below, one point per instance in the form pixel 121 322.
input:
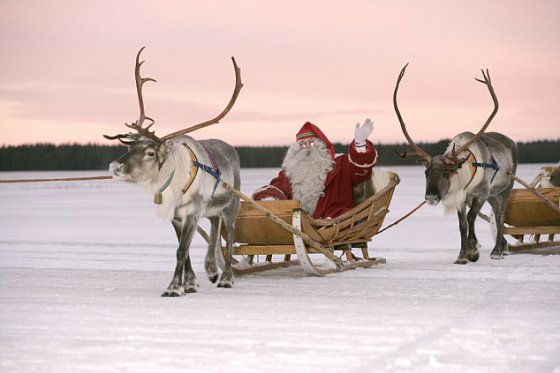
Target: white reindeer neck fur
pixel 454 200
pixel 178 161
pixel 462 182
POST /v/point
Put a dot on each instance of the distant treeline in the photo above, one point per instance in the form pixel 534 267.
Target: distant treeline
pixel 97 157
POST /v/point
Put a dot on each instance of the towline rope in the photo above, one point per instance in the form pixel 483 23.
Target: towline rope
pixel 404 217
pixel 59 179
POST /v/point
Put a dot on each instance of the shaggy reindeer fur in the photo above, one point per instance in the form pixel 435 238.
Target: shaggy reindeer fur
pixel 380 178
pixel 140 165
pixel 474 169
pixel 466 188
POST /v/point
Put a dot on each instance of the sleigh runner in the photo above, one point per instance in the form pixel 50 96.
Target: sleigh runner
pixel 268 234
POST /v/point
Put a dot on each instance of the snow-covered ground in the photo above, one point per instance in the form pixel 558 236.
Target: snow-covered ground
pixel 83 264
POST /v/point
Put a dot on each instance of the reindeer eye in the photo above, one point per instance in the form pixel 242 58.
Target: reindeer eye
pixel 150 153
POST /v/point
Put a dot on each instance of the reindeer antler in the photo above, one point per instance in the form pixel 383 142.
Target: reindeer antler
pixel 418 152
pixel 236 90
pixel 488 82
pixel 145 131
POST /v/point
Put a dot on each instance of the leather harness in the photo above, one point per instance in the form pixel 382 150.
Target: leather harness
pixel 473 166
pixel 195 165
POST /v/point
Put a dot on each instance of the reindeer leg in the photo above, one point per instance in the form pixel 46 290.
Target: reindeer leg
pixel 463 229
pixel 473 245
pixel 183 280
pixel 189 284
pixel 174 287
pixel 210 260
pixel 226 281
pixel 499 204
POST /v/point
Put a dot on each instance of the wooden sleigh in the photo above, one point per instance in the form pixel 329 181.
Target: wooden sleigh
pixel 532 217
pixel 268 234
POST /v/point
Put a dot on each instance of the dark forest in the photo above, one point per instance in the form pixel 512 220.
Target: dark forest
pixel 45 157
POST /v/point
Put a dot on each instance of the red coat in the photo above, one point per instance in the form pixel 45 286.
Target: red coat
pixel 349 170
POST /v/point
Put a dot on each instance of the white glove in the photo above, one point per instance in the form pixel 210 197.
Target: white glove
pixel 361 133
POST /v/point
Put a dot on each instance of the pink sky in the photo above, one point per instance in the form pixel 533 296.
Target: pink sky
pixel 67 68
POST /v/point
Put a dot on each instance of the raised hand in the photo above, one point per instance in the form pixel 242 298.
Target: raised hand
pixel 362 132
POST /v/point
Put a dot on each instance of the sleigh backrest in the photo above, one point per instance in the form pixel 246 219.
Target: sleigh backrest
pixel 359 224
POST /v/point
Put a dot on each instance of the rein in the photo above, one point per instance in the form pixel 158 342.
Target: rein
pixel 158 197
pixel 58 179
pixel 404 217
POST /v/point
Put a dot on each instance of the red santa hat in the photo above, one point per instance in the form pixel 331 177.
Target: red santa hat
pixel 309 130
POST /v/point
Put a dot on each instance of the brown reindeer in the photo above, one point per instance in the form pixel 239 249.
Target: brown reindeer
pixel 183 175
pixel 474 169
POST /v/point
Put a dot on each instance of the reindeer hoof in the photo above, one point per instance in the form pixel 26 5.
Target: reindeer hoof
pixel 461 261
pixel 226 285
pixel 172 293
pixel 190 290
pixel 473 257
pixel 214 278
pixel 497 254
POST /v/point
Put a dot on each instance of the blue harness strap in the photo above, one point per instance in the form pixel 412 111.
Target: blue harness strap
pixel 494 166
pixel 214 170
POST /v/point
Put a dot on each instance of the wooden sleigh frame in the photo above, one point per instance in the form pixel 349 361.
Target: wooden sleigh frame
pixel 531 221
pixel 269 233
pixel 532 217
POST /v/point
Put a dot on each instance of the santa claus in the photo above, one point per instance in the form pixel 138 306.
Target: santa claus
pixel 322 181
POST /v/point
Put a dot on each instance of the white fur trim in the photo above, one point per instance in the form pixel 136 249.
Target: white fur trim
pixel 360 148
pixel 367 165
pixel 272 187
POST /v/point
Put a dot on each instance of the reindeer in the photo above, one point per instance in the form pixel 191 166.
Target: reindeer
pixel 547 177
pixel 474 169
pixel 183 174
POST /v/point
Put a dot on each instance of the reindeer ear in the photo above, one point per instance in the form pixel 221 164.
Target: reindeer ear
pixel 164 149
pixel 426 162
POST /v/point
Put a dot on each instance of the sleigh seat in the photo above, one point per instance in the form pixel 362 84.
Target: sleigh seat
pixel 259 241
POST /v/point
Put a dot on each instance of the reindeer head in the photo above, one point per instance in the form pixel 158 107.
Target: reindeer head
pixel 148 152
pixel 441 168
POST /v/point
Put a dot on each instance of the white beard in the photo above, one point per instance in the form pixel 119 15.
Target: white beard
pixel 307 170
